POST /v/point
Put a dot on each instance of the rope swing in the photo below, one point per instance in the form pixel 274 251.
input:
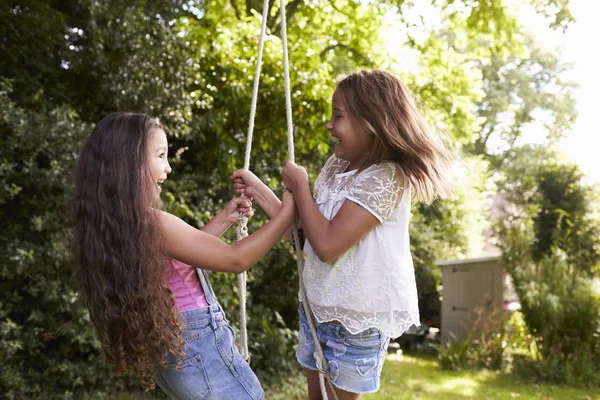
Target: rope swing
pixel 242 230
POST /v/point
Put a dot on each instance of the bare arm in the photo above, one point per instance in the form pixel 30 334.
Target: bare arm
pixel 329 239
pixel 228 216
pixel 245 182
pixel 248 184
pixel 201 250
pixel 216 227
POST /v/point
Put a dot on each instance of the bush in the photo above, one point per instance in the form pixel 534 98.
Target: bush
pixel 37 293
pixel 455 354
pixel 549 237
pixel 575 369
pixel 569 340
pixel 488 348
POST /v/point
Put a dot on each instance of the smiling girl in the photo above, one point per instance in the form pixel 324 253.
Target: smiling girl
pixel 359 274
pixel 142 272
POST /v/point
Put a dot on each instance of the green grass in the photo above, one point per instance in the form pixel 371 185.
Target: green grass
pixel 407 377
pixel 418 377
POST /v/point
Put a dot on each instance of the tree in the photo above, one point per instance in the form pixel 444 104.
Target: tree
pixel 549 236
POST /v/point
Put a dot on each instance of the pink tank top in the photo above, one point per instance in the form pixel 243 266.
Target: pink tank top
pixel 183 281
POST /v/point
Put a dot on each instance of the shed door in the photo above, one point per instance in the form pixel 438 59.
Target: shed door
pixel 466 287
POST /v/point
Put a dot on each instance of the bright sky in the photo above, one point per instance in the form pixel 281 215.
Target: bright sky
pixel 578 46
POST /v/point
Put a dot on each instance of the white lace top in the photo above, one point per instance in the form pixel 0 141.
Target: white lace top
pixel 373 283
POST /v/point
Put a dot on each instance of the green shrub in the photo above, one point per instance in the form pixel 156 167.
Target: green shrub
pixel 549 238
pixel 485 347
pixel 454 355
pixel 37 294
pixel 575 369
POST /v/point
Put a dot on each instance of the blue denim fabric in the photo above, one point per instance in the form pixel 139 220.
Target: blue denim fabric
pixel 355 361
pixel 212 367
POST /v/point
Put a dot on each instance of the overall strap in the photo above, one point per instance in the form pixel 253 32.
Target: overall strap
pixel 209 294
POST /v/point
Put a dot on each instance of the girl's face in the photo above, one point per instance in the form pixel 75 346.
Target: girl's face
pixel 353 142
pixel 157 157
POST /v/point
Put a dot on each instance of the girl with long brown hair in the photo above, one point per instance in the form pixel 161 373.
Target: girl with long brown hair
pixel 358 275
pixel 155 314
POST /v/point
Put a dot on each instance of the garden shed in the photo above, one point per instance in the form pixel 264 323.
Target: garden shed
pixel 468 286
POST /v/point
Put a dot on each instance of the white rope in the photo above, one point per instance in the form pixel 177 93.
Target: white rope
pixel 319 356
pixel 286 80
pixel 242 229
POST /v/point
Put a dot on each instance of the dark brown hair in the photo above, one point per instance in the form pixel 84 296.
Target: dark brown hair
pixel 386 108
pixel 118 250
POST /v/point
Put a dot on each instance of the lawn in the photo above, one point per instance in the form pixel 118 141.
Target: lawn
pixel 407 377
pixel 410 377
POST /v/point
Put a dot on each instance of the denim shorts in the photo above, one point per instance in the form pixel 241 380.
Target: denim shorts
pixel 355 361
pixel 212 367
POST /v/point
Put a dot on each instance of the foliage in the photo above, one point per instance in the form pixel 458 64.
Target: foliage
pixel 577 369
pixel 549 236
pixel 37 295
pixel 550 198
pixel 455 354
pixel 564 313
pixel 450 229
pixel 493 342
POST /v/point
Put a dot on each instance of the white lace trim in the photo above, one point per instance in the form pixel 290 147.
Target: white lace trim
pixel 393 325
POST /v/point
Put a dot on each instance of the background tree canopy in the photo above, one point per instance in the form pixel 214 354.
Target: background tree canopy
pixel 67 64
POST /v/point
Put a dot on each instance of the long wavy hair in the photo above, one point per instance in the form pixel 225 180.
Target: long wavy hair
pixel 118 248
pixel 386 108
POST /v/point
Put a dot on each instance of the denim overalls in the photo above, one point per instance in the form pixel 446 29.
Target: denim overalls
pixel 212 367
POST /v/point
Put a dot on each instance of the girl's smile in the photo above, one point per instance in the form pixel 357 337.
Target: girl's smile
pixel 352 142
pixel 158 149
